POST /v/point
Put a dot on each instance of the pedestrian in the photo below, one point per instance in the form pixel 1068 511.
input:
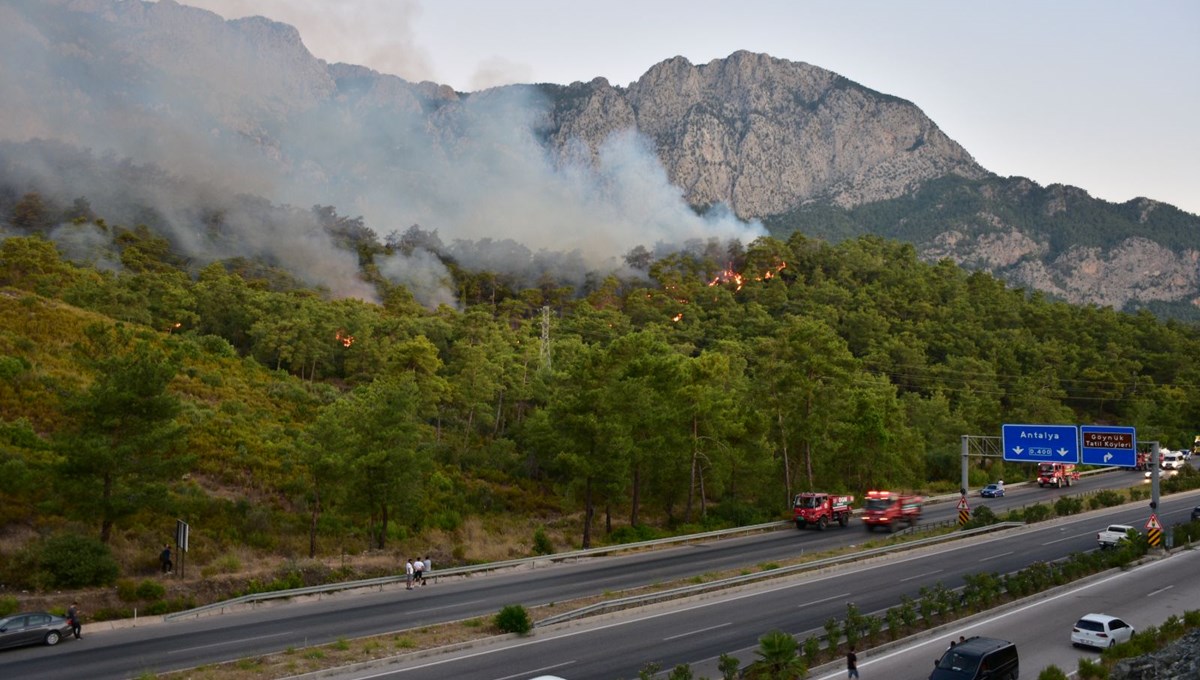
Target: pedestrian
pixel 962 639
pixel 428 568
pixel 164 559
pixel 952 643
pixel 418 571
pixel 408 575
pixel 73 615
pixel 851 663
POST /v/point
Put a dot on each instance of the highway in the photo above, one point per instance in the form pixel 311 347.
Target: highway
pixel 128 652
pixel 698 631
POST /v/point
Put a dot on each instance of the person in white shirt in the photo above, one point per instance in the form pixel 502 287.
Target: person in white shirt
pixel 418 571
pixel 408 575
pixel 428 568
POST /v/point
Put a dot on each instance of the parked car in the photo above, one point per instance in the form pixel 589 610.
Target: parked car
pixel 31 628
pixel 992 491
pixel 1100 630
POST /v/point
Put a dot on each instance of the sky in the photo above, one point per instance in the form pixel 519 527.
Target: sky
pixel 1099 94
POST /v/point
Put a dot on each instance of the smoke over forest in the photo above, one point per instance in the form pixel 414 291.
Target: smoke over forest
pixel 223 136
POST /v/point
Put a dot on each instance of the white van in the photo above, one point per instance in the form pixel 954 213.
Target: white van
pixel 1172 460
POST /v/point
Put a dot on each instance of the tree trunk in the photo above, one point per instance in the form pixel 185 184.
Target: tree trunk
pixel 588 511
pixel 787 465
pixel 312 525
pixel 383 524
pixel 687 512
pixel 608 518
pixel 636 501
pixel 106 522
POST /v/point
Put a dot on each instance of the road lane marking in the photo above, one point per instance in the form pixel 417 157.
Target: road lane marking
pixel 230 642
pixel 935 571
pixel 992 557
pixel 1160 590
pixel 835 597
pixel 694 632
pixel 1068 538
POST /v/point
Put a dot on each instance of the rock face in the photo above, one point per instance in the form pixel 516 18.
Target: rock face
pixel 183 89
pixel 1180 659
pixel 765 135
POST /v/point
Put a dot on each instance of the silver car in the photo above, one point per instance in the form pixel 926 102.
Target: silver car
pixel 31 628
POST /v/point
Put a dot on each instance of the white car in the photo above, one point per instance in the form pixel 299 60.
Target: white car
pixel 1172 460
pixel 1100 631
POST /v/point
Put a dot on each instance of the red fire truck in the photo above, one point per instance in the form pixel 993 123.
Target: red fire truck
pixel 889 510
pixel 1056 474
pixel 819 509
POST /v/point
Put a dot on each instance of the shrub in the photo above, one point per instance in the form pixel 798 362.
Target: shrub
pixel 1068 505
pixel 541 543
pixel 1106 498
pixel 69 561
pixel 8 605
pixel 513 618
pixel 150 589
pixel 1053 672
pixel 1037 513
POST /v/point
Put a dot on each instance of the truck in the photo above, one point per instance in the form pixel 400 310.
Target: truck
pixel 1113 534
pixel 819 509
pixel 889 510
pixel 1056 474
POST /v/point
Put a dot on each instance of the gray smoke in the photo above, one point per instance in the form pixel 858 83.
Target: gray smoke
pixel 211 113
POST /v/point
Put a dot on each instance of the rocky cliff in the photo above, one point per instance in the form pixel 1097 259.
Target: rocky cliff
pixel 244 104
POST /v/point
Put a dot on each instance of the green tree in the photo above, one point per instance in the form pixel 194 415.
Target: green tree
pixel 123 446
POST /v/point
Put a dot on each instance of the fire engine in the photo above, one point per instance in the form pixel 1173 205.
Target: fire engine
pixel 819 509
pixel 1056 474
pixel 889 509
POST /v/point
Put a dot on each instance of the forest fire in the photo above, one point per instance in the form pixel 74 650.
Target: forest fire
pixel 345 338
pixel 728 276
pixel 677 317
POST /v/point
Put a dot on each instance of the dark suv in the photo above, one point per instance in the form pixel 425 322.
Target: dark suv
pixel 978 658
pixel 1196 513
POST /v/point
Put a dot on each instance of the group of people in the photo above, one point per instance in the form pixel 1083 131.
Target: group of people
pixel 417 571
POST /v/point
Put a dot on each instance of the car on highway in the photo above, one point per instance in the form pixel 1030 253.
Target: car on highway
pixel 31 628
pixel 978 658
pixel 1196 513
pixel 992 491
pixel 1113 534
pixel 1163 473
pixel 1100 631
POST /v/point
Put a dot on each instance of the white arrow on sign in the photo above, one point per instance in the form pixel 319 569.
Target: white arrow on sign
pixel 1017 450
pixel 1107 456
pixel 1063 452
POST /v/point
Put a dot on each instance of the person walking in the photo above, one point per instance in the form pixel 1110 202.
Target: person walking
pixel 408 575
pixel 418 571
pixel 73 615
pixel 851 663
pixel 428 568
pixel 164 559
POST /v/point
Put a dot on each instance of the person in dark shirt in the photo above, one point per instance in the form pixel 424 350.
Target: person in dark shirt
pixel 851 664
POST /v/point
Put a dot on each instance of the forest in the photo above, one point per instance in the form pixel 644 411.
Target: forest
pixel 698 389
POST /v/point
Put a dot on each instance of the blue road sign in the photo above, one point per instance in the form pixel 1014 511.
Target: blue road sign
pixel 1040 443
pixel 1106 445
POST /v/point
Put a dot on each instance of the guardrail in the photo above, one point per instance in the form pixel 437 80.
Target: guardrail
pixel 380 582
pixel 684 591
pixel 468 570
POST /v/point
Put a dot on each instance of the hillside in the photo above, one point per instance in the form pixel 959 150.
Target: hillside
pixel 695 395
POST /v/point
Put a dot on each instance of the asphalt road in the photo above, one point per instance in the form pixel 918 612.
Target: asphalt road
pixel 697 631
pixel 129 652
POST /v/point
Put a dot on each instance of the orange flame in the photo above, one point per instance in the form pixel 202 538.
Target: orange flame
pixel 677 317
pixel 345 338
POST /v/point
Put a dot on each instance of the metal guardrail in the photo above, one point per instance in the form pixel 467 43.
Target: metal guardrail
pixel 468 570
pixel 639 600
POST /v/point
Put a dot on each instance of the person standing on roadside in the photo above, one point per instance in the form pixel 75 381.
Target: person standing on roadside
pixel 408 575
pixel 851 663
pixel 418 571
pixel 164 559
pixel 428 568
pixel 73 615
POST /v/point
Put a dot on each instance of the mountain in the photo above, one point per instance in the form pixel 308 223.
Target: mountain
pixel 733 149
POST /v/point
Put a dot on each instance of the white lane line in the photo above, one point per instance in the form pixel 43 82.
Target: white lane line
pixel 1160 590
pixel 928 573
pixel 835 597
pixel 694 632
pixel 222 644
pixel 535 670
pixel 992 557
pixel 1068 538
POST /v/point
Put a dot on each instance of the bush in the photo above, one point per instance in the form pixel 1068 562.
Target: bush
pixel 67 561
pixel 541 543
pixel 1053 672
pixel 1068 505
pixel 1036 513
pixel 1106 498
pixel 8 605
pixel 150 589
pixel 514 618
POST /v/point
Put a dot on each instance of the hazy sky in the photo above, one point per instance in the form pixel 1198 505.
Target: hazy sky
pixel 1100 94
